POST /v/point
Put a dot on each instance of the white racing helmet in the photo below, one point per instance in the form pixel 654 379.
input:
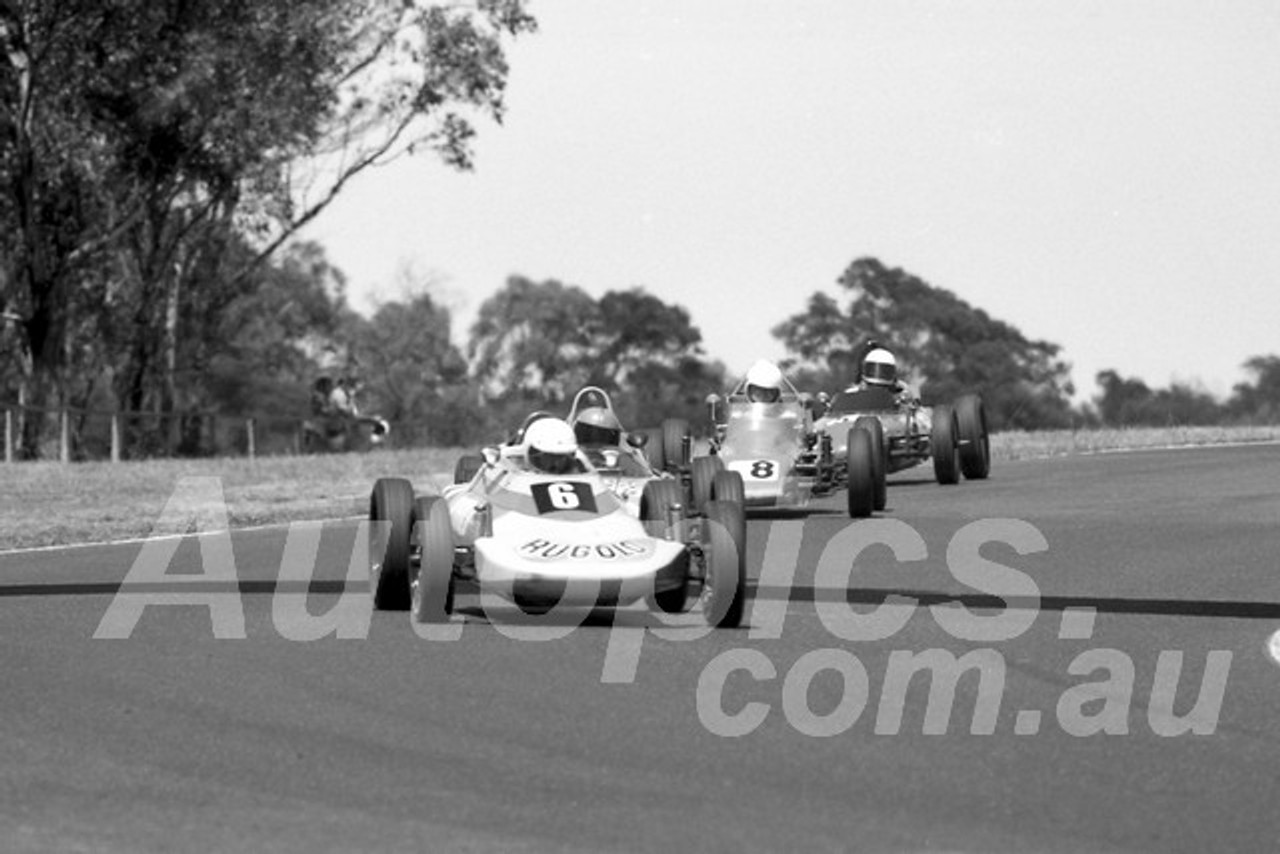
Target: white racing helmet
pixel 550 446
pixel 764 382
pixel 880 367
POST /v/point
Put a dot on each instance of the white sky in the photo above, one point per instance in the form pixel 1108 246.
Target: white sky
pixel 1102 174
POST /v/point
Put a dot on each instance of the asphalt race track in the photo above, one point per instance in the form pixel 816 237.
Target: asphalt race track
pixel 1060 597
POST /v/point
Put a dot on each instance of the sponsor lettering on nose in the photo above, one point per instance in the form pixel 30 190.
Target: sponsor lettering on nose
pixel 543 549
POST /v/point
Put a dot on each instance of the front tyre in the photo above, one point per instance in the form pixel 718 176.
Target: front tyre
pixel 431 590
pixel 975 445
pixel 861 491
pixel 879 457
pixel 704 471
pixel 944 444
pixel 728 486
pixel 725 552
pixel 391 504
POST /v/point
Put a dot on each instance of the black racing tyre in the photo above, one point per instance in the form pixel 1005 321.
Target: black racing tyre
pixel 703 472
pixel 391 501
pixel 431 590
pixel 466 467
pixel 944 444
pixel 879 457
pixel 728 486
pixel 861 487
pixel 658 497
pixel 675 431
pixel 725 550
pixel 653 453
pixel 675 600
pixel 975 445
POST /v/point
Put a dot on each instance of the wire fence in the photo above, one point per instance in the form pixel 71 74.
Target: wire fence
pixel 73 434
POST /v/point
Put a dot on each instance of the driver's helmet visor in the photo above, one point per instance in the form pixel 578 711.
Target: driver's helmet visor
pixel 551 463
pixel 763 394
pixel 880 373
pixel 592 434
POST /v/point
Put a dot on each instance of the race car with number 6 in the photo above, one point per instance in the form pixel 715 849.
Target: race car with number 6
pixel 540 527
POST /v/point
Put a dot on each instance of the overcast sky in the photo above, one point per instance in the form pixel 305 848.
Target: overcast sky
pixel 1104 175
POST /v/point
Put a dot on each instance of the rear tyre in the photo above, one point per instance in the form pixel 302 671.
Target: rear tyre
pixel 431 591
pixel 728 486
pixel 725 551
pixel 675 432
pixel 391 502
pixel 879 457
pixel 655 502
pixel 653 453
pixel 944 445
pixel 975 446
pixel 861 490
pixel 703 472
pixel 467 467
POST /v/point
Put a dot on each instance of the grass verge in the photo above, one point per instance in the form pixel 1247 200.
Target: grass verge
pixel 1021 445
pixel 47 503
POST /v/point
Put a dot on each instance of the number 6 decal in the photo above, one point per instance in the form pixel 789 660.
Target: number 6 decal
pixel 556 495
pixel 563 496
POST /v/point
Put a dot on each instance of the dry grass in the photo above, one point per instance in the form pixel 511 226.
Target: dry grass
pixel 48 503
pixel 1057 443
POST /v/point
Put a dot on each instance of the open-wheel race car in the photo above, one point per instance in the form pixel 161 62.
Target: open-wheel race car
pixel 627 460
pixel 543 538
pixel 906 433
pixel 782 459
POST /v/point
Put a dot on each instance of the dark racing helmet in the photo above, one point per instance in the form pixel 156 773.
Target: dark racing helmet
pixel 597 426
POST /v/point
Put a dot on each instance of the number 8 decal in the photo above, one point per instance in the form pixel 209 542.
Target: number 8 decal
pixel 762 469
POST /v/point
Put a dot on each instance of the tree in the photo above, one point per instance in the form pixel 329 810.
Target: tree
pixel 636 329
pixel 1128 402
pixel 142 139
pixel 412 372
pixel 941 341
pixel 534 340
pixel 1259 400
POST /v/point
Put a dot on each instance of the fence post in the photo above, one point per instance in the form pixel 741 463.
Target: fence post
pixel 8 435
pixel 252 443
pixel 115 437
pixel 64 438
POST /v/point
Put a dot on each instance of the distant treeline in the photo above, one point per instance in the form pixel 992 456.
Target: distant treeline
pixel 534 344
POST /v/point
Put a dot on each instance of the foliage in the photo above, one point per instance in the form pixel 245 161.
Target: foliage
pixel 153 152
pixel 941 341
pixel 534 340
pixel 1130 403
pixel 1258 401
pixel 534 345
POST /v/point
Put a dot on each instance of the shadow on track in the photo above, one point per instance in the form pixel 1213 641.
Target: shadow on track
pixel 1226 609
pixel 1103 604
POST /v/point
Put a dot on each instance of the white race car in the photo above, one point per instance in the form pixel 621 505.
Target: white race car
pixel 539 540
pixel 782 459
